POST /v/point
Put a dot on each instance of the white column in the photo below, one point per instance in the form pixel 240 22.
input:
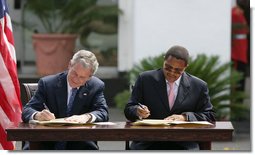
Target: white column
pixel 126 35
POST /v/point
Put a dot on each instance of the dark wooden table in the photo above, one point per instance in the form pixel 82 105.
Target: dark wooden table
pixel 122 131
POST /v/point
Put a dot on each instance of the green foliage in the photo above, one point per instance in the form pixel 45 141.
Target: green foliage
pixel 74 16
pixel 221 81
pixel 220 78
pixel 122 98
pixel 149 63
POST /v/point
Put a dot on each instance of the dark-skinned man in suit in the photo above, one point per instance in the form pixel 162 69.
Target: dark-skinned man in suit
pixel 169 93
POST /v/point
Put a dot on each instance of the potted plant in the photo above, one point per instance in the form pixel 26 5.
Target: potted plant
pixel 63 21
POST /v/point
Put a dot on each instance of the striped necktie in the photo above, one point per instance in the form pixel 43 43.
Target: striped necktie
pixel 71 101
pixel 171 95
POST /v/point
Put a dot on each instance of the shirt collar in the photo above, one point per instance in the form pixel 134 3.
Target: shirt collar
pixel 176 82
pixel 69 88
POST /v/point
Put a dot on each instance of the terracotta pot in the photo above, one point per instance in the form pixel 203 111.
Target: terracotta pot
pixel 53 52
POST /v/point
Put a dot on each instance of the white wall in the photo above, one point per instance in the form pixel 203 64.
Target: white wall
pixel 150 27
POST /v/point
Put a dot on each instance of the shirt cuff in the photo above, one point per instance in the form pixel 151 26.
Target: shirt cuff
pixel 32 116
pixel 93 118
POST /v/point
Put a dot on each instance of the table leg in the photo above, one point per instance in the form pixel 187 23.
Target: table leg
pixel 127 145
pixel 205 145
pixel 34 145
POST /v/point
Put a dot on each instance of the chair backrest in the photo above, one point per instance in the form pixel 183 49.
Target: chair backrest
pixel 30 89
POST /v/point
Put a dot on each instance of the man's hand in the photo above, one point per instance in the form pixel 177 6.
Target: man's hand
pixel 44 115
pixel 85 118
pixel 176 118
pixel 143 111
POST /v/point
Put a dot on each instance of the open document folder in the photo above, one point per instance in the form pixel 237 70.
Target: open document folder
pixel 63 121
pixel 167 122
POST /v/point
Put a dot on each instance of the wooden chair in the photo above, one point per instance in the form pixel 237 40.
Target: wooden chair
pixel 30 89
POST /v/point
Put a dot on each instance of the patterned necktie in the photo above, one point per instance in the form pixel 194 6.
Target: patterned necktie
pixel 71 101
pixel 171 95
pixel 61 145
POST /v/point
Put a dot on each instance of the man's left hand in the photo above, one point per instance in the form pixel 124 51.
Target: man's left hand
pixel 175 118
pixel 85 118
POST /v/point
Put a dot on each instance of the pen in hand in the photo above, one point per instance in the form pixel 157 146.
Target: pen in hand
pixel 44 115
pixel 140 105
pixel 143 112
pixel 45 106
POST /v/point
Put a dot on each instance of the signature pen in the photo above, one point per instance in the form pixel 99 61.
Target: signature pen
pixel 140 105
pixel 45 106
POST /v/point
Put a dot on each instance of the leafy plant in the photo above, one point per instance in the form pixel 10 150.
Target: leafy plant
pixel 73 16
pixel 220 78
pixel 122 98
pixel 149 63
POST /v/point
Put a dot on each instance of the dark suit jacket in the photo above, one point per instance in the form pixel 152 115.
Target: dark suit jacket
pixel 150 89
pixel 52 90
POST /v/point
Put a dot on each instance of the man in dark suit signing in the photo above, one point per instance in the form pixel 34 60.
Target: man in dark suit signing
pixel 74 94
pixel 172 94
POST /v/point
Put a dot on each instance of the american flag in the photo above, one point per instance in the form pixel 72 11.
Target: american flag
pixel 10 104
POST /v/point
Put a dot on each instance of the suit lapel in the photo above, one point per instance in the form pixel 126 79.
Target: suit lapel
pixel 161 88
pixel 61 94
pixel 183 90
pixel 80 98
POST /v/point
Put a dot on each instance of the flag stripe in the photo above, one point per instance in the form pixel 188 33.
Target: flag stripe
pixel 4 104
pixel 8 54
pixel 8 38
pixel 5 122
pixel 10 104
pixel 8 31
pixel 8 81
pixel 7 145
pixel 7 109
pixel 8 76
